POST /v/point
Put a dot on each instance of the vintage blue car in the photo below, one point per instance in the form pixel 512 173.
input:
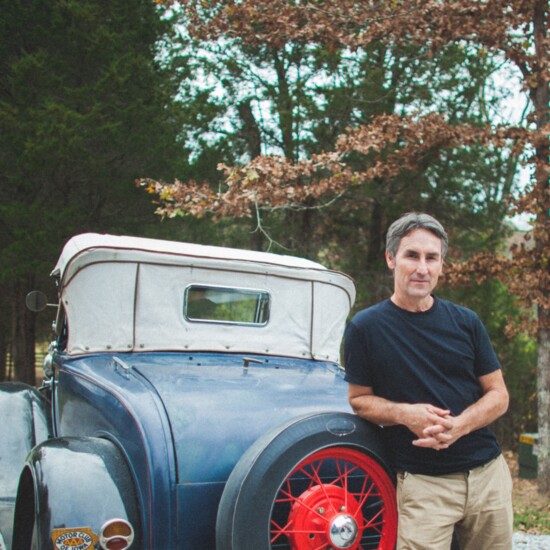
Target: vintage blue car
pixel 192 399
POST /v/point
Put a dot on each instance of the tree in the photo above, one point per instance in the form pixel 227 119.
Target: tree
pixel 514 30
pixel 85 107
pixel 315 92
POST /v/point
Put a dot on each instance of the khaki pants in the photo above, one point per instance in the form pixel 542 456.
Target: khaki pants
pixel 478 502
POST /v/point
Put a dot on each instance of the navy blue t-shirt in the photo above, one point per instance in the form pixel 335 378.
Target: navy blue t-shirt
pixel 435 357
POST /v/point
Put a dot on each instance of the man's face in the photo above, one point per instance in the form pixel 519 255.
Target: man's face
pixel 417 267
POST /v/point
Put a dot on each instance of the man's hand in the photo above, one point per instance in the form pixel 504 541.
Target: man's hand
pixel 433 425
pixel 438 436
pixel 488 408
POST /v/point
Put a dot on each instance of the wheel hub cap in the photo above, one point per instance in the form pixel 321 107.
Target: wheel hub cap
pixel 343 531
pixel 325 516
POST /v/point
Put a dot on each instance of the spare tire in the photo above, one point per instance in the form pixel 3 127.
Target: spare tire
pixel 317 482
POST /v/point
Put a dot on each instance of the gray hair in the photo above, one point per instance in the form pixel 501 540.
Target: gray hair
pixel 409 222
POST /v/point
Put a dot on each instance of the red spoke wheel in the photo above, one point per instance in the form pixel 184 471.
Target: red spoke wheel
pixel 349 503
pixel 317 483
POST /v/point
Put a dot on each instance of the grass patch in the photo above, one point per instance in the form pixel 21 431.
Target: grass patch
pixel 532 520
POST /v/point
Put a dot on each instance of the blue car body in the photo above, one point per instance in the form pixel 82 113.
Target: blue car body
pixel 148 406
pixel 192 417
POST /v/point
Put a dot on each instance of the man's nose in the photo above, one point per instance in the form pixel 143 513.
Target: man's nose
pixel 422 266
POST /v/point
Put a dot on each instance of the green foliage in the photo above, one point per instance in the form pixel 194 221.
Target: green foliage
pixel 532 520
pixel 86 107
pixel 302 97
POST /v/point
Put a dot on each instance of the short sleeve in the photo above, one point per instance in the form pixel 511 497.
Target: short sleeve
pixel 486 360
pixel 355 354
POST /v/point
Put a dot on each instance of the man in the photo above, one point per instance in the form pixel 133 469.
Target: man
pixel 425 370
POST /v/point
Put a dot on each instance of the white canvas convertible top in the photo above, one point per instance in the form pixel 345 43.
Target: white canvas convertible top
pixel 137 246
pixel 124 293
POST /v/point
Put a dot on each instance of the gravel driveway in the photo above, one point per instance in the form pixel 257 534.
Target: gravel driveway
pixel 523 541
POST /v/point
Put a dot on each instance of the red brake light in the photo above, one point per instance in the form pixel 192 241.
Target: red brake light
pixel 116 534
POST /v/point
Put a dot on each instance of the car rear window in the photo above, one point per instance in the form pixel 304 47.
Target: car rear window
pixel 226 305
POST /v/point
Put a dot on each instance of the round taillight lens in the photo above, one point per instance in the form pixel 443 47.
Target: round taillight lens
pixel 116 534
pixel 117 544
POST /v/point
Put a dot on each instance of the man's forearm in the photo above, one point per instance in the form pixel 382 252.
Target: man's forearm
pixel 376 409
pixel 492 405
pixel 416 417
pixel 487 409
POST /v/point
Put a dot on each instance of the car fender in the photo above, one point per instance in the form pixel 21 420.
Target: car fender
pixel 25 415
pixel 75 483
pixel 306 483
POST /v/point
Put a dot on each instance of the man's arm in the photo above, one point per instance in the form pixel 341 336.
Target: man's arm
pixel 417 417
pixel 492 405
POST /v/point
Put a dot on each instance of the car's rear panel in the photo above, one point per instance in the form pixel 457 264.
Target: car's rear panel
pixel 185 420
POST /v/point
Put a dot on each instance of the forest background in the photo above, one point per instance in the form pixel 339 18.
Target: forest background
pixel 297 127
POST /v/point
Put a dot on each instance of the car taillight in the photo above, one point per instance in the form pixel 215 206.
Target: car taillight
pixel 116 534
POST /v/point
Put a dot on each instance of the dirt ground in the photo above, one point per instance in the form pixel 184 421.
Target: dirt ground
pixel 526 496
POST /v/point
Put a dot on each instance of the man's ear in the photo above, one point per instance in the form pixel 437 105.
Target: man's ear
pixel 390 260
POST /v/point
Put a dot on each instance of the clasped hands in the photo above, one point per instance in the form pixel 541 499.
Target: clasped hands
pixel 434 427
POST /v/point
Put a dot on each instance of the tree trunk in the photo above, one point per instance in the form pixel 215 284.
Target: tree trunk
pixel 250 130
pixel 540 97
pixel 5 320
pixel 3 354
pixel 375 236
pixel 23 333
pixel 543 401
pixel 285 106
